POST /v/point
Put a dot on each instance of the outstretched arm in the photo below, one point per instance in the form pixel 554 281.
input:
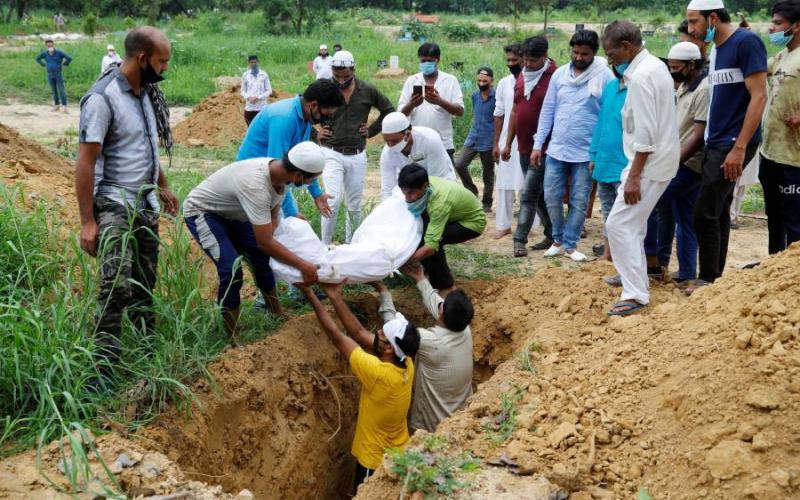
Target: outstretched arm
pixel 342 342
pixel 360 334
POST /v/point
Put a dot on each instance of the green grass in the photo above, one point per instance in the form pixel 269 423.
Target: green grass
pixel 430 469
pixel 503 424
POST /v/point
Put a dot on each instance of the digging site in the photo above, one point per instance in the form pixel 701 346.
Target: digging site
pixel 698 397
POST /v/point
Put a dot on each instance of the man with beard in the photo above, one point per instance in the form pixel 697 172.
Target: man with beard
pixel 121 187
pixel 345 143
pixel 568 117
pixel 322 63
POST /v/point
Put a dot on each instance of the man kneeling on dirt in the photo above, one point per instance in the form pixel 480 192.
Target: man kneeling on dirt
pixel 383 364
pixel 443 363
pixel 235 212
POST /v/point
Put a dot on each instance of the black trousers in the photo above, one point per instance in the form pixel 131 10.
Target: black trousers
pixel 249 116
pixel 362 473
pixel 781 184
pixel 436 266
pixel 712 221
pixel 487 162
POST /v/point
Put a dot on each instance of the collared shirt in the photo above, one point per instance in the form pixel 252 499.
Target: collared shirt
pixel 257 86
pixel 508 173
pixel 348 118
pixel 649 117
pixel 323 67
pixel 108 61
pixel 241 191
pixel 427 150
pixel 274 131
pixel 125 125
pixel 53 62
pixel 481 134
pixel 449 201
pixel 606 150
pixel 568 116
pixel 431 115
pixel 693 108
pixel 782 142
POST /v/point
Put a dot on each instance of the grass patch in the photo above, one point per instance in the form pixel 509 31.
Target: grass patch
pixel 502 425
pixel 471 264
pixel 526 356
pixel 430 470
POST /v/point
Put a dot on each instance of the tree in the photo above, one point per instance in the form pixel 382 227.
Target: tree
pixel 544 6
pixel 295 15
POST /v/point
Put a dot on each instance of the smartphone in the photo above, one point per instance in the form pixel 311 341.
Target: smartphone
pixel 417 90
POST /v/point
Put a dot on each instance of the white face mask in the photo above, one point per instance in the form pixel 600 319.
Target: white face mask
pixel 51 49
pixel 400 146
pixel 110 53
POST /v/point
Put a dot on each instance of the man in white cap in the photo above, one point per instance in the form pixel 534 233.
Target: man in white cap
pixel 234 212
pixel 322 63
pixel 406 144
pixel 738 82
pixel 110 58
pixel 651 143
pixel 383 364
pixel 344 140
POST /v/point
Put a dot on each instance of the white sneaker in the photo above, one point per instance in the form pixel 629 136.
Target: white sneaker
pixel 577 256
pixel 554 251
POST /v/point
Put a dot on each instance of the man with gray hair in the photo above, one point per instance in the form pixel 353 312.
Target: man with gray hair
pixel 651 142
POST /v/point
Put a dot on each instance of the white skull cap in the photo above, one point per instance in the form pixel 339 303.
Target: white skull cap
pixel 394 122
pixel 308 157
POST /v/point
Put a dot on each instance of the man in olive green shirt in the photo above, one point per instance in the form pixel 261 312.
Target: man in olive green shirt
pixel 450 214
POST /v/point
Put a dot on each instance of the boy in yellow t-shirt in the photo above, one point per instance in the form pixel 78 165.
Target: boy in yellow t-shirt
pixel 382 362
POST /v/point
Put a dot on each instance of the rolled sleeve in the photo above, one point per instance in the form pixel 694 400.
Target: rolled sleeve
pixel 95 119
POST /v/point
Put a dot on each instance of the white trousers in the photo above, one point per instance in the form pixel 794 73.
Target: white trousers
pixel 344 178
pixel 627 227
pixel 505 209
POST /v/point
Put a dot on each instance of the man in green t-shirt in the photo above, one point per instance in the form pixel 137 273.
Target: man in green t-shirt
pixel 450 214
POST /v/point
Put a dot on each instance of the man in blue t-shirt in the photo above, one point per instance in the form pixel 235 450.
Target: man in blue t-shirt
pixel 738 82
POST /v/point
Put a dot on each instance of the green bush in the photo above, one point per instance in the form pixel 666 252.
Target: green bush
pixel 461 31
pixel 89 24
pixel 40 24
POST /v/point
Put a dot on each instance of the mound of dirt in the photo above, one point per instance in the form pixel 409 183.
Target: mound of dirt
pixel 696 398
pixel 217 121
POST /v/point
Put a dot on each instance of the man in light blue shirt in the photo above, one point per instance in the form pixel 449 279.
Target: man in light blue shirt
pixel 284 124
pixel 568 118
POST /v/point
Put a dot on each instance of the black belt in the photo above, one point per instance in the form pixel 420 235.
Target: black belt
pixel 347 151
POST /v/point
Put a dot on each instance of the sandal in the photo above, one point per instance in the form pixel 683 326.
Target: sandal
pixel 631 305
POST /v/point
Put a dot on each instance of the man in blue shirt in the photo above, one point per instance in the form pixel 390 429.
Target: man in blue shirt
pixel 288 122
pixel 568 117
pixel 738 79
pixel 479 140
pixel 53 59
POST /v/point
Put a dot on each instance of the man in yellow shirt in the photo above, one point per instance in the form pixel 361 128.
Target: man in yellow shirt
pixel 382 362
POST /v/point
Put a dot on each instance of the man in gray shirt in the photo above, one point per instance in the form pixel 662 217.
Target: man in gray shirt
pixel 120 188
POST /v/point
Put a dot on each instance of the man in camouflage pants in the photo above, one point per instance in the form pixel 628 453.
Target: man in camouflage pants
pixel 121 187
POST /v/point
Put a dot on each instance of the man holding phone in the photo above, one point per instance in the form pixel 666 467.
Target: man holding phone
pixel 432 97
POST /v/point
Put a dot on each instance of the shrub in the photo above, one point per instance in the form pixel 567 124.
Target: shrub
pixel 461 31
pixel 89 24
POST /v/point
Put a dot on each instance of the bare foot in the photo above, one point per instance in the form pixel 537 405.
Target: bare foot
pixel 501 233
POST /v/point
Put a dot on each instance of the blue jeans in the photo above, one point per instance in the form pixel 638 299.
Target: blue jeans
pixel 56 82
pixel 607 192
pixel 225 241
pixel 675 217
pixel 651 238
pixel 555 182
pixel 531 202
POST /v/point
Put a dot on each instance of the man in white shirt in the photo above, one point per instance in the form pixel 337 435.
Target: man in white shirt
pixel 322 65
pixel 110 58
pixel 652 144
pixel 406 144
pixel 255 89
pixel 432 97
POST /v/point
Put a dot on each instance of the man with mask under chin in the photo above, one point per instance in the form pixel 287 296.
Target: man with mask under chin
pixel 121 187
pixel 432 97
pixel 344 143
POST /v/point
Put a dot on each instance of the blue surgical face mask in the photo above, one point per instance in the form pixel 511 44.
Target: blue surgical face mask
pixel 419 206
pixel 710 32
pixel 427 68
pixel 781 38
pixel 254 69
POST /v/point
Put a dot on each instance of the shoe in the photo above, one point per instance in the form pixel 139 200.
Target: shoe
pixel 554 251
pixel 542 245
pixel 599 249
pixel 576 256
pixel 519 249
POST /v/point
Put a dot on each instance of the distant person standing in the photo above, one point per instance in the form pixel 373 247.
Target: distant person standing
pixel 432 97
pixel 110 58
pixel 54 60
pixel 60 22
pixel 255 89
pixel 780 151
pixel 479 140
pixel 337 48
pixel 322 65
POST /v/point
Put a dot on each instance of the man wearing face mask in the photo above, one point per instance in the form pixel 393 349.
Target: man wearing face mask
pixel 110 58
pixel 406 144
pixel 780 151
pixel 54 60
pixel 121 187
pixel 567 119
pixel 345 143
pixel 738 83
pixel 286 123
pixel 255 89
pixel 450 214
pixel 530 90
pixel 652 146
pixel 432 97
pixel 322 64
pixel 479 139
